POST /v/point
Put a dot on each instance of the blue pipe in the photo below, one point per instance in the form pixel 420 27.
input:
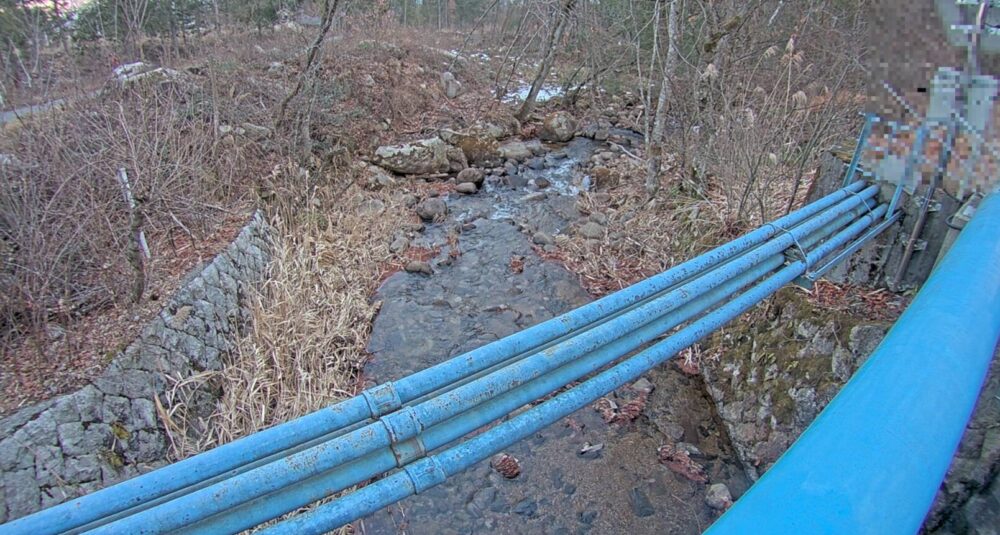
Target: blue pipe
pixel 180 477
pixel 318 487
pixel 875 457
pixel 293 497
pixel 410 421
pixel 433 470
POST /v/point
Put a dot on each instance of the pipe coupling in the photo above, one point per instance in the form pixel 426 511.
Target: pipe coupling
pixel 402 424
pixel 382 399
pixel 425 474
pixel 408 451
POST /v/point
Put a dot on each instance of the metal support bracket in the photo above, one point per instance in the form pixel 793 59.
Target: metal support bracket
pixel 932 206
pixel 808 279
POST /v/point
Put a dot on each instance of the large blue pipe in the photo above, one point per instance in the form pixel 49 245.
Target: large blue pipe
pixel 875 457
pixel 410 421
pixel 433 470
pixel 314 489
pixel 225 460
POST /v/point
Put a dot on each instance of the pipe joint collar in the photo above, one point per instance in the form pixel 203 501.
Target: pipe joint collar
pixel 408 451
pixel 425 474
pixel 403 424
pixel 382 399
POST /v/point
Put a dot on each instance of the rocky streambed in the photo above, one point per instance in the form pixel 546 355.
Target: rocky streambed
pixel 658 467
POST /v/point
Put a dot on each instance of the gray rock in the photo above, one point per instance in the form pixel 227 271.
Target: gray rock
pixel 537 149
pixel 515 150
pixel 510 168
pixel 599 218
pixel 525 507
pixel 541 238
pixel 425 156
pixel 14 455
pixel 144 414
pixel 419 266
pixel 431 209
pixel 82 469
pixel 116 409
pixel 409 200
pixel 40 431
pixel 371 207
pixel 27 499
pixel 558 126
pixel 450 85
pixel 640 503
pixel 256 131
pixel 864 338
pixel 88 402
pixel 536 164
pixel 48 465
pixel 472 175
pixel 129 383
pixel 718 496
pixel 591 230
pixel 674 431
pixel 146 446
pixel 643 385
pixel 399 244
pixel 376 177
pixel 467 188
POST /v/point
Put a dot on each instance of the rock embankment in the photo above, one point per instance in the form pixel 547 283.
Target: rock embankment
pixel 113 429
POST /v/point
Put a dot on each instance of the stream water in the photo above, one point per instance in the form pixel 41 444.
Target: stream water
pixel 474 298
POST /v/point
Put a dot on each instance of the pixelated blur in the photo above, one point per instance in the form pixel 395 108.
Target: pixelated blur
pixel 934 85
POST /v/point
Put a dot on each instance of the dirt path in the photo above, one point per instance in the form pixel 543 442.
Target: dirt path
pixel 476 297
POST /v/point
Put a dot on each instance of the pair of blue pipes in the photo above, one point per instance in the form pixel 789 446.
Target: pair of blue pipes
pixel 265 475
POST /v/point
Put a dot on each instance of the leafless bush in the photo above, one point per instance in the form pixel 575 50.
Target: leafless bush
pixel 769 86
pixel 63 218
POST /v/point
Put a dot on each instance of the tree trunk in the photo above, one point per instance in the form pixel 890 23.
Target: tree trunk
pixel 329 11
pixel 662 103
pixel 555 35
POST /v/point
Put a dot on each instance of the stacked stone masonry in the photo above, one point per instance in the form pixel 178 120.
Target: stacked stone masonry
pixel 112 429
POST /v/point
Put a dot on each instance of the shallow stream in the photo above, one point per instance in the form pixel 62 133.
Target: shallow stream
pixel 475 297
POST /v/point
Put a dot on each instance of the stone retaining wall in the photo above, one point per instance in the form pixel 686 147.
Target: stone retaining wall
pixel 113 429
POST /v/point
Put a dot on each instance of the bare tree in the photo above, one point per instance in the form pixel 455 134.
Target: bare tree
pixel 655 150
pixel 134 13
pixel 329 11
pixel 561 17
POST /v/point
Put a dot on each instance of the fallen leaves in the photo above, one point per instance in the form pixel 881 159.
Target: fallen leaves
pixel 680 462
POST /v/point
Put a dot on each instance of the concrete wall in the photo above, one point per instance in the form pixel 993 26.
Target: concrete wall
pixel 112 429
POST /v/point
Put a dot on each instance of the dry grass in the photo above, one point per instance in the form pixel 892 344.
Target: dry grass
pixel 305 345
pixel 312 319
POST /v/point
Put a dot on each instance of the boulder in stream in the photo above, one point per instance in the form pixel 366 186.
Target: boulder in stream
pixel 516 150
pixel 473 175
pixel 558 126
pixel 431 209
pixel 425 156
